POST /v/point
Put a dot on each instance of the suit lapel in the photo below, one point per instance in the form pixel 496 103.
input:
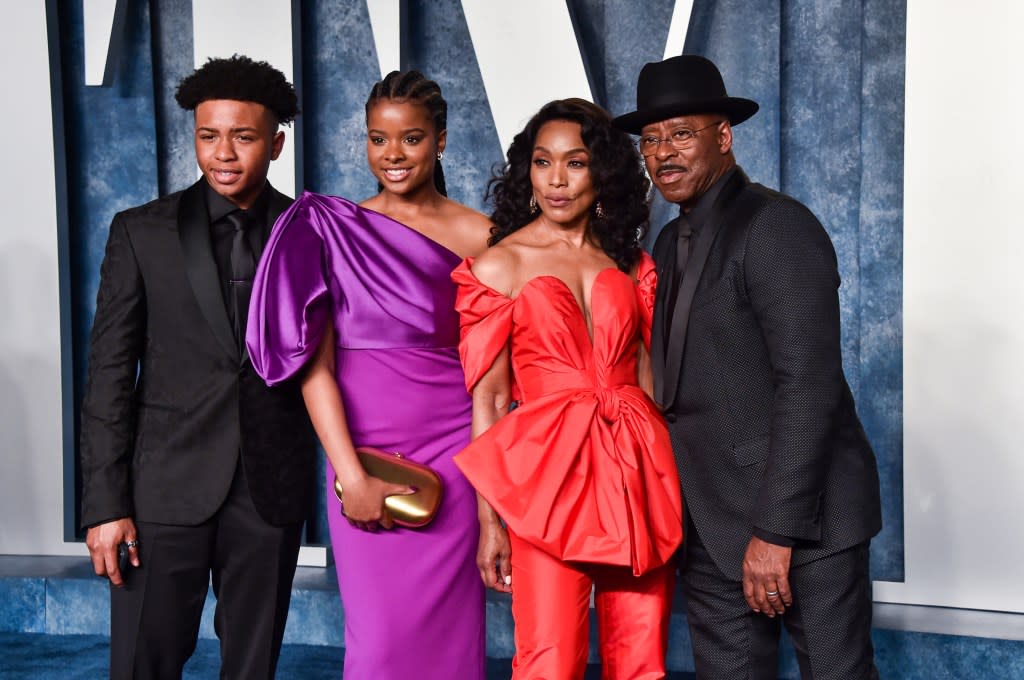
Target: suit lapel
pixel 691 277
pixel 664 258
pixel 200 266
pixel 276 204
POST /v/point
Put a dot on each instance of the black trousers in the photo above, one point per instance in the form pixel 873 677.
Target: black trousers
pixel 155 616
pixel 829 622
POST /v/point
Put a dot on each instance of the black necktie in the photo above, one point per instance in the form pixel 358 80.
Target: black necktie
pixel 243 269
pixel 683 243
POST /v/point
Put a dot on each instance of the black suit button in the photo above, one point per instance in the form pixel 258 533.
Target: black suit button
pixel 670 417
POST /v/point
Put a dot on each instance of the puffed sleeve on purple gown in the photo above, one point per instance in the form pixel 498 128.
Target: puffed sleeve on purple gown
pixel 290 306
pixel 413 598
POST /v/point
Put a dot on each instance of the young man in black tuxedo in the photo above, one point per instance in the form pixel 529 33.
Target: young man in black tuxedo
pixel 189 462
pixel 779 482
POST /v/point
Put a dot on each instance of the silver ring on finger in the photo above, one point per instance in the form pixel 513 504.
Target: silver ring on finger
pixel 771 593
pixel 132 544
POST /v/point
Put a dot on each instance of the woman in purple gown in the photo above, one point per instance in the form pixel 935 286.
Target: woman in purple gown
pixel 359 298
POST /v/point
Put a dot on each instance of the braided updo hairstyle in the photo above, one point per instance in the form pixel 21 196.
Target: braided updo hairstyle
pixel 413 86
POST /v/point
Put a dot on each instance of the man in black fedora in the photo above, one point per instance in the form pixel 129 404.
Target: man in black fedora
pixel 779 481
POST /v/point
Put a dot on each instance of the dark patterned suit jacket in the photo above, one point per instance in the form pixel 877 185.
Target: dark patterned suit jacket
pixel 169 403
pixel 761 418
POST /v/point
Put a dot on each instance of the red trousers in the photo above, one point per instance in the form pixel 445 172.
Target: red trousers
pixel 551 608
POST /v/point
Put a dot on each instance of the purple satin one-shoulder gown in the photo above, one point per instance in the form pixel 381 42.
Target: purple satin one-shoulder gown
pixel 413 599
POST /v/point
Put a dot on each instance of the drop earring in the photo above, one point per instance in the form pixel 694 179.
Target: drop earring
pixel 599 211
pixel 533 204
pixel 440 155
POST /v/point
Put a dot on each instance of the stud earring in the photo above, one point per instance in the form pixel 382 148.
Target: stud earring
pixel 599 211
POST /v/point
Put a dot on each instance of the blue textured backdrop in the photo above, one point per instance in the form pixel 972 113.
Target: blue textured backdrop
pixel 828 74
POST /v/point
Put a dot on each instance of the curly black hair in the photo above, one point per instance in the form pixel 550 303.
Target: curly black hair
pixel 402 86
pixel 615 170
pixel 242 79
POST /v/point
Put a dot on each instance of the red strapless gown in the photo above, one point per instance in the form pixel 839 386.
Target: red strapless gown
pixel 583 468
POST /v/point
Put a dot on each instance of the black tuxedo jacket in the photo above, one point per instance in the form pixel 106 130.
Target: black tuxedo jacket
pixel 762 421
pixel 169 402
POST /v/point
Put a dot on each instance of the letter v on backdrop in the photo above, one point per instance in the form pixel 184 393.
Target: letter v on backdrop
pixel 517 79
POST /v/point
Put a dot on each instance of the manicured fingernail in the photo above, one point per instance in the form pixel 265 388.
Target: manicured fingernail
pixel 508 580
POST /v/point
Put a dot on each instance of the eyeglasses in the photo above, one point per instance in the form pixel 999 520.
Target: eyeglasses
pixel 679 139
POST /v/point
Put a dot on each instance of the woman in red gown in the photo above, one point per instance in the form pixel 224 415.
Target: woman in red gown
pixel 577 485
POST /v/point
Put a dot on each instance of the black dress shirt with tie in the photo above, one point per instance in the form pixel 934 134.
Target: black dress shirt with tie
pixel 690 224
pixel 237 237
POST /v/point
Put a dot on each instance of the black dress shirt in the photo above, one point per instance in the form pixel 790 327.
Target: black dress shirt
pixel 222 232
pixel 698 214
pixel 697 218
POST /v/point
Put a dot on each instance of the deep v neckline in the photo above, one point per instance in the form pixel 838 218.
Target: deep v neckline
pixel 580 310
pixel 578 304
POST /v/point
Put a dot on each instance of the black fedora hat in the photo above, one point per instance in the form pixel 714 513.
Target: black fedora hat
pixel 682 86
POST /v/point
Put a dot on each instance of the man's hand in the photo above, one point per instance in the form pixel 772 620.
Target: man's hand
pixel 103 541
pixel 766 577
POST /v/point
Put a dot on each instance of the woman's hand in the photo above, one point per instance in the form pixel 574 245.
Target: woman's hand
pixel 494 553
pixel 363 495
pixel 363 502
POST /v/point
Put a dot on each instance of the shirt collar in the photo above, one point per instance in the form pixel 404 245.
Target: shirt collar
pixel 701 210
pixel 219 207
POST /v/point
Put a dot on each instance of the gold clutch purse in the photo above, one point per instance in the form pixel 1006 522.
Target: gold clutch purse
pixel 414 510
